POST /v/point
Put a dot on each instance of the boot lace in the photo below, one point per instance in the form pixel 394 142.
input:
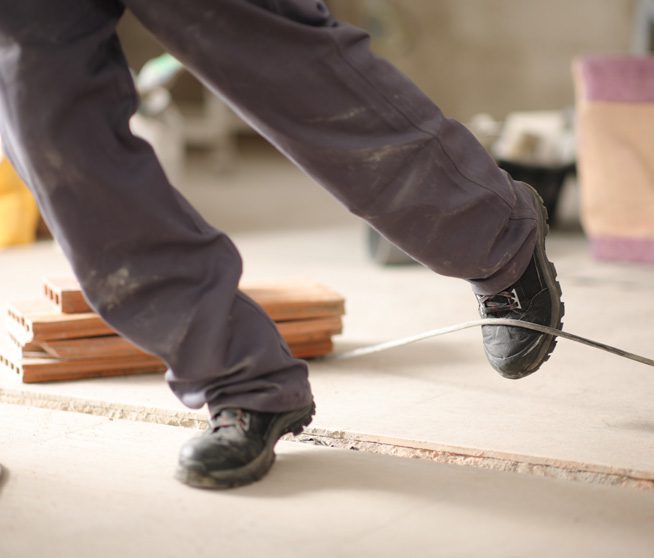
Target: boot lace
pixel 231 418
pixel 500 303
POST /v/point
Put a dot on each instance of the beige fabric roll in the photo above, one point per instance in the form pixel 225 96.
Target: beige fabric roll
pixel 616 165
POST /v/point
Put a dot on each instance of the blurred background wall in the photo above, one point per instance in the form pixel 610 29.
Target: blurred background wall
pixel 495 56
pixel 471 56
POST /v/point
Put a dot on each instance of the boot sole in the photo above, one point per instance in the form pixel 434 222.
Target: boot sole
pixel 554 287
pixel 196 474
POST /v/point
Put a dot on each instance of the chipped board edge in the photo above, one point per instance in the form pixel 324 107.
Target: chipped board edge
pixel 115 411
pixel 480 459
pixel 490 460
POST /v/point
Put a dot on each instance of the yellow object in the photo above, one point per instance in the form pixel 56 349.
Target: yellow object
pixel 19 213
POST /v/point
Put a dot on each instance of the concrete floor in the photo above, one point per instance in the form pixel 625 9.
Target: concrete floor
pixel 92 487
pixel 585 416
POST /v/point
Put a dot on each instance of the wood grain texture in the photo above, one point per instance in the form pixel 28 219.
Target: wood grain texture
pixel 16 352
pixel 33 370
pixel 302 346
pixel 35 321
pixel 282 300
pixel 65 293
pixel 92 347
pixel 39 366
pixel 303 331
pixel 19 351
pixel 59 338
pixel 295 300
pixel 312 349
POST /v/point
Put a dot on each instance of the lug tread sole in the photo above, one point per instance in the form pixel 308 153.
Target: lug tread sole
pixel 548 345
pixel 556 296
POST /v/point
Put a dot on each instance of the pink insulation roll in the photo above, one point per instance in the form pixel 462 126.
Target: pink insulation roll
pixel 615 108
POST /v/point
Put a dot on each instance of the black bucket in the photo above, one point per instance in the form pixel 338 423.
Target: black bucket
pixel 546 180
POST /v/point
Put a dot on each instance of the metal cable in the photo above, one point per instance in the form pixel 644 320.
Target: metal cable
pixel 363 351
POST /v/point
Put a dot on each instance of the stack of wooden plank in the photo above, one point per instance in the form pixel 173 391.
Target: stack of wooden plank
pixel 59 337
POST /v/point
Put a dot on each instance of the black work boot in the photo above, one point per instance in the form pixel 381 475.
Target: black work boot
pixel 535 297
pixel 239 447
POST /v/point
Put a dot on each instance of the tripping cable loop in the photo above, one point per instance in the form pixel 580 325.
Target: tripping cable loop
pixel 372 349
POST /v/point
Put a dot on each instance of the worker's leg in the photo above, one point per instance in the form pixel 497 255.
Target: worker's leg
pixel 360 128
pixel 311 85
pixel 149 264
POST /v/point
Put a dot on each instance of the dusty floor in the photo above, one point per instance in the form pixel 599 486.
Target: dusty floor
pixel 88 486
pixel 586 415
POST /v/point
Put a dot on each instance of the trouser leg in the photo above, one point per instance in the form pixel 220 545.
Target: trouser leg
pixel 149 264
pixel 359 127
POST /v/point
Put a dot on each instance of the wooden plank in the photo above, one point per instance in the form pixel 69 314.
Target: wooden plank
pixel 93 347
pixel 295 300
pixel 282 300
pixel 35 367
pixel 22 350
pixel 16 351
pixel 33 370
pixel 312 349
pixel 35 321
pixel 303 331
pixel 65 293
pixel 38 322
pixel 108 347
pixel 306 346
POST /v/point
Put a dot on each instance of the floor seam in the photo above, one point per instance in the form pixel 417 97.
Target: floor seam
pixel 338 439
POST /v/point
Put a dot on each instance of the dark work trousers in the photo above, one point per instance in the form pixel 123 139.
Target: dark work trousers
pixel 147 261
